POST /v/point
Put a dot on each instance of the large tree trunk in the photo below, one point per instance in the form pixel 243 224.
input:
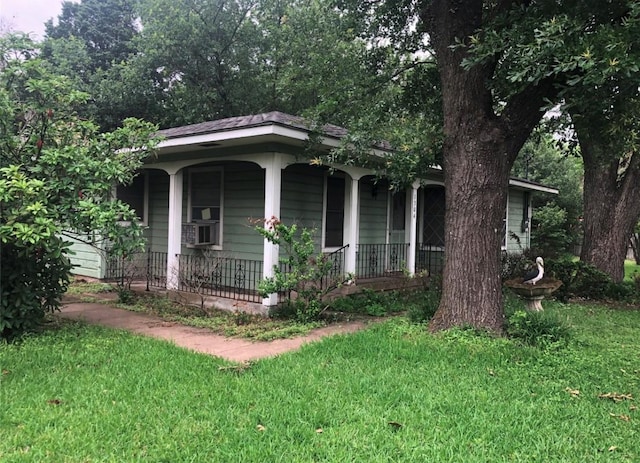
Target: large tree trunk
pixel 480 148
pixel 611 202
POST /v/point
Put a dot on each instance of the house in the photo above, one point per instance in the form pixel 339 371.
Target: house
pixel 201 195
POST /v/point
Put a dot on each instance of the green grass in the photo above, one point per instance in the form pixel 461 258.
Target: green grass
pixel 391 393
pixel 631 269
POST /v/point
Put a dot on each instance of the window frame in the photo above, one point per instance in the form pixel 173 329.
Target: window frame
pixel 325 209
pixel 144 221
pixel 191 220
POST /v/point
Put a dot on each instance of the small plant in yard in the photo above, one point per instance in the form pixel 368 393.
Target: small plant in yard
pixel 424 308
pixel 308 277
pixel 539 329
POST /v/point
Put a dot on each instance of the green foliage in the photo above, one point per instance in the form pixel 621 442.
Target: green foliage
pixel 378 303
pixel 514 265
pixel 540 329
pixel 308 276
pixel 33 279
pixel 56 179
pixel 424 309
pixel 578 279
pixel 545 160
pixel 550 236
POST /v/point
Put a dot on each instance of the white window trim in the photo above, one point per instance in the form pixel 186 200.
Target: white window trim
pixel 192 170
pixel 505 239
pixel 145 220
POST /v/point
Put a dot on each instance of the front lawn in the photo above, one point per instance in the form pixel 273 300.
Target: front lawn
pixel 391 393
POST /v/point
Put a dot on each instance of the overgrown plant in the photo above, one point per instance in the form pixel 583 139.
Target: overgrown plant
pixel 203 272
pixel 308 276
pixel 57 173
pixel 131 267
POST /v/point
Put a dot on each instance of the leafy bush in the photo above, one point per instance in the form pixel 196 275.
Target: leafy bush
pixel 308 277
pixel 578 280
pixel 550 233
pixel 33 282
pixel 424 309
pixel 539 329
pixel 378 303
pixel 514 265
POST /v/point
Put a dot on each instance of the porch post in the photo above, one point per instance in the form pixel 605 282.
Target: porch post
pixel 352 224
pixel 175 229
pixel 272 195
pixel 413 229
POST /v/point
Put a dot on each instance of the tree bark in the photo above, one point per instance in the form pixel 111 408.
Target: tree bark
pixel 611 201
pixel 479 150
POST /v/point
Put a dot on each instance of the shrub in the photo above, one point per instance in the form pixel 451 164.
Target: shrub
pixel 33 282
pixel 538 329
pixel 423 309
pixel 578 280
pixel 309 276
pixel 514 265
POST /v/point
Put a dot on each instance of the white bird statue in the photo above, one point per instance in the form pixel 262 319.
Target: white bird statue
pixel 535 275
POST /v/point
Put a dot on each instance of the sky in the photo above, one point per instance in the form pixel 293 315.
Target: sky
pixel 29 15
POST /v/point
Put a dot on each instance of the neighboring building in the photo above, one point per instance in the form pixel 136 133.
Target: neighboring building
pixel 210 184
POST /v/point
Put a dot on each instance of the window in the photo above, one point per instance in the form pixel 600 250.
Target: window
pixel 434 207
pixel 399 211
pixel 334 212
pixel 205 205
pixel 136 196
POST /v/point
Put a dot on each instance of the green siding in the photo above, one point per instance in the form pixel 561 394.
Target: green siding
pixel 303 197
pixel 86 260
pixel 243 204
pixel 373 212
pixel 157 231
pixel 514 222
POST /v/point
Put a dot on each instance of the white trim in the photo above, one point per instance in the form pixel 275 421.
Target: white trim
pixel 272 205
pixel 352 223
pixel 505 239
pixel 243 136
pixel 531 186
pixel 413 227
pixel 174 231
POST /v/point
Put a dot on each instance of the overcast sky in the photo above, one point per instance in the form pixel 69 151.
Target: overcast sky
pixel 29 15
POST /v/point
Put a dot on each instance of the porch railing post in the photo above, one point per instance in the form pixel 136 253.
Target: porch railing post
pixel 175 229
pixel 272 192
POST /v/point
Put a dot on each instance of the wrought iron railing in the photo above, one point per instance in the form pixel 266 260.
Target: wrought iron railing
pixel 149 267
pixel 430 259
pixel 156 270
pixel 220 276
pixel 378 260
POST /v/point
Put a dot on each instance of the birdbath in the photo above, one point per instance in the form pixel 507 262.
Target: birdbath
pixel 533 294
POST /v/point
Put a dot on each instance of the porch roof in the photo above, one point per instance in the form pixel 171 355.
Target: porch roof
pixel 275 126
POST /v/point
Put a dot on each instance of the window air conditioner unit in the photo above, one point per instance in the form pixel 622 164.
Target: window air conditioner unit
pixel 204 233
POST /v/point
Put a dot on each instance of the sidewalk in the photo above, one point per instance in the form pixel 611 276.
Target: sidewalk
pixel 196 339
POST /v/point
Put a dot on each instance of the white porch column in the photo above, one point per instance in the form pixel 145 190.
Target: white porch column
pixel 352 212
pixel 272 196
pixel 175 229
pixel 413 229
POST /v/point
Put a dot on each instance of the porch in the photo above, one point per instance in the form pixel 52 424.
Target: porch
pixel 216 276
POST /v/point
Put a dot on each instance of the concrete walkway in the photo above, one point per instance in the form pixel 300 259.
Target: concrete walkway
pixel 196 339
